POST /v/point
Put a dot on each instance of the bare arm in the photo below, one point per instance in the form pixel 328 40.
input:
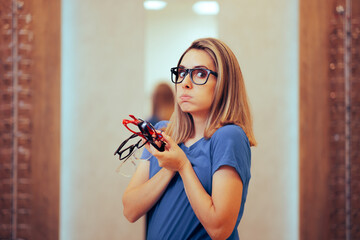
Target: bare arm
pixel 217 213
pixel 142 193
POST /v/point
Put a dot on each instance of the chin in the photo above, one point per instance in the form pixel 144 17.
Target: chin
pixel 185 108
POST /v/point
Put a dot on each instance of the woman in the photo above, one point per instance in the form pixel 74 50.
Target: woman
pixel 197 187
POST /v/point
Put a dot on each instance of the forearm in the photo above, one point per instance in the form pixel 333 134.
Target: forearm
pixel 216 221
pixel 138 200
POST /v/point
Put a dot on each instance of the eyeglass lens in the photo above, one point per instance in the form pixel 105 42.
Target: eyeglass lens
pixel 198 76
pixel 130 150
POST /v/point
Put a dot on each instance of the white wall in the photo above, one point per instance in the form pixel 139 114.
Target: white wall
pixel 264 36
pixel 102 82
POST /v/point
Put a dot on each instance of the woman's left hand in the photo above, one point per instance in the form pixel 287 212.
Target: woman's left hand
pixel 173 158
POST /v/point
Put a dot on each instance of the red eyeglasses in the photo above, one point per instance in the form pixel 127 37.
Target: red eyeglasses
pixel 147 132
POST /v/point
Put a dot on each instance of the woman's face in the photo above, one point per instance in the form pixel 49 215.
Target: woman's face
pixel 192 98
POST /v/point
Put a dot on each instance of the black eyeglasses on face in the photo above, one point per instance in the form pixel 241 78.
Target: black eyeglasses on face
pixel 198 76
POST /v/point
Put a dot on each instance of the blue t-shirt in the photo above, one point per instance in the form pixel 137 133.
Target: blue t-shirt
pixel 172 217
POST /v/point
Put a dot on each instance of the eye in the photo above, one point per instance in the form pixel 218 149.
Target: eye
pixel 181 72
pixel 200 73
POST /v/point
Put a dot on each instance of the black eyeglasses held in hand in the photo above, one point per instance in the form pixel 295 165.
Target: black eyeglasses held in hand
pixel 125 153
pixel 198 76
pixel 130 155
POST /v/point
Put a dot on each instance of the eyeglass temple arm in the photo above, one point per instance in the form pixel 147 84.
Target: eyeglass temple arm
pixel 135 122
pixel 146 130
pixel 124 142
pixel 161 148
pixel 138 122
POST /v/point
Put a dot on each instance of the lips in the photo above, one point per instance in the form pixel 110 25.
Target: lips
pixel 185 97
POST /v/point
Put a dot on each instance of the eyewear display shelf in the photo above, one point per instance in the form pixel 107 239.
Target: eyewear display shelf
pixel 15 120
pixel 29 119
pixel 329 119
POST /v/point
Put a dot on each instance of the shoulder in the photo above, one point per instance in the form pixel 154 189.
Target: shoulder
pixel 230 131
pixel 153 120
pixel 230 136
pixel 161 124
pixel 230 146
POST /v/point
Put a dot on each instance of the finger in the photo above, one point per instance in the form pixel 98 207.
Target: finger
pixel 153 150
pixel 168 139
pixel 147 146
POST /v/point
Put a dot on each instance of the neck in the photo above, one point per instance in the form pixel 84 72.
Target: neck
pixel 199 126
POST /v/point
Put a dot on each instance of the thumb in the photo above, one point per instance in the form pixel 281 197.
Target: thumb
pixel 167 138
pixel 170 143
pixel 152 150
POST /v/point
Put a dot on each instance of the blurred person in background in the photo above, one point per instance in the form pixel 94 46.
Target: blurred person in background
pixel 162 103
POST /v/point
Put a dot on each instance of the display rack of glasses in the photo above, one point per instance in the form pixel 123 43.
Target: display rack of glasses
pixel 15 120
pixel 344 116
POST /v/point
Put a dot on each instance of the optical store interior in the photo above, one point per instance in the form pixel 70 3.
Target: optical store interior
pixel 72 70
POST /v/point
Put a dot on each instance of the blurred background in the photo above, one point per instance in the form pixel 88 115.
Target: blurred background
pixel 74 69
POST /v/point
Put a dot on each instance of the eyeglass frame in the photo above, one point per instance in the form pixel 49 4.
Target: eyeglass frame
pixel 147 132
pixel 131 147
pixel 189 71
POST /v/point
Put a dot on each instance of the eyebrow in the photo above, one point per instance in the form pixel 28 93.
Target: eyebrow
pixel 198 66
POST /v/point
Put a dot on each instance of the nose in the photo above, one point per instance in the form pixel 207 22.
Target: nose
pixel 187 83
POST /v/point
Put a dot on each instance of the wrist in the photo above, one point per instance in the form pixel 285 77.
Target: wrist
pixel 168 171
pixel 184 166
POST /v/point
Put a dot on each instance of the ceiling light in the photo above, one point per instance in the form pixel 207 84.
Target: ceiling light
pixel 154 5
pixel 206 7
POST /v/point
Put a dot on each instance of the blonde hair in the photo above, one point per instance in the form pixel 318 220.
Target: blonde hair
pixel 230 104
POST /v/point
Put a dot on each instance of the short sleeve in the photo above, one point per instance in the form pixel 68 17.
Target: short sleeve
pixel 230 147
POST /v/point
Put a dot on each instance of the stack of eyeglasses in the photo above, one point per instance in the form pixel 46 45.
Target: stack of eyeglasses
pixel 129 150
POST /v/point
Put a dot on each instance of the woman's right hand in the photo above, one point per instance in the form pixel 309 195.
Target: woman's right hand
pixel 173 158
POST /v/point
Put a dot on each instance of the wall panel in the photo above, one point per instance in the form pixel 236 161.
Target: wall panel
pixel 30 119
pixel 329 129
